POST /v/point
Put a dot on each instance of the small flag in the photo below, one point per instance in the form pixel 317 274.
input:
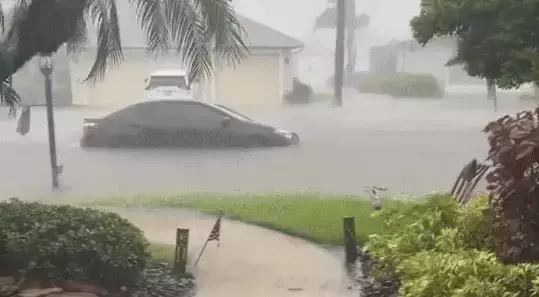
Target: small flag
pixel 215 233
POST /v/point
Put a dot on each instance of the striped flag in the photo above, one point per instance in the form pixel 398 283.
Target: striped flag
pixel 215 233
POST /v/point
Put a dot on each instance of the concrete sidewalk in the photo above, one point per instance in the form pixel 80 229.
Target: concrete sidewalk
pixel 251 261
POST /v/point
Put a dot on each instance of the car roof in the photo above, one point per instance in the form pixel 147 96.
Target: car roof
pixel 169 72
pixel 181 100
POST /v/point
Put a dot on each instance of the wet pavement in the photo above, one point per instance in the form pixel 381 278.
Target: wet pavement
pixel 250 261
pixel 409 146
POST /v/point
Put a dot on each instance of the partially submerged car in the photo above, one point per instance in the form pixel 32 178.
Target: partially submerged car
pixel 181 123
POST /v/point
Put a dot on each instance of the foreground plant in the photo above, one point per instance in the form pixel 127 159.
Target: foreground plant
pixel 52 244
pixel 513 182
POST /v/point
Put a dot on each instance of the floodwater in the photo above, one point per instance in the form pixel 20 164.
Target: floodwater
pixel 409 146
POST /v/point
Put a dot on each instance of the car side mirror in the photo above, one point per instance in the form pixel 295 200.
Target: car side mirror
pixel 225 122
pixel 146 80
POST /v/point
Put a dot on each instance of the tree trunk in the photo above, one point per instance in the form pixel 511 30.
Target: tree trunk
pixel 491 89
pixel 491 93
pixel 351 48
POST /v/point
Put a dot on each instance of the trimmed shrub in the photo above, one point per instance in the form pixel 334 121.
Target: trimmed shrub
pixel 398 85
pixel 49 243
pixel 301 93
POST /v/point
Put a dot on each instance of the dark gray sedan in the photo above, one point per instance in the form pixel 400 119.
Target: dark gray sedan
pixel 176 123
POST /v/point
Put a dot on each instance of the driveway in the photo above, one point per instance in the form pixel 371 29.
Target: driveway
pixel 250 261
pixel 410 146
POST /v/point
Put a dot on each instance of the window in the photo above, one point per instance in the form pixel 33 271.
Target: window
pixel 169 114
pixel 203 116
pixel 132 114
pixel 167 81
pixel 163 114
pixel 232 113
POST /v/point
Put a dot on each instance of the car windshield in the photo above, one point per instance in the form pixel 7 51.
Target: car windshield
pixel 232 113
pixel 167 81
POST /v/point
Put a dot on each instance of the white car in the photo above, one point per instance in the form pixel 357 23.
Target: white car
pixel 168 85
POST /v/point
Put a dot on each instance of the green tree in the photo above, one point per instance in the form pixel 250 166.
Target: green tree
pixel 496 39
pixel 197 29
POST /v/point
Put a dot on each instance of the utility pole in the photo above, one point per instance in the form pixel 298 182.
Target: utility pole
pixel 339 51
pixel 46 68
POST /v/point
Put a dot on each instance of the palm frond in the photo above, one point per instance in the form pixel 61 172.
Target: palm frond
pixel 18 14
pixel 187 31
pixel 225 30
pixel 151 16
pixel 2 19
pixel 9 97
pixel 79 40
pixel 198 29
pixel 104 15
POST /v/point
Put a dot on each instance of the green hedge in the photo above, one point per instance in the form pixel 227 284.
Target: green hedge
pixel 441 249
pixel 399 85
pixel 48 243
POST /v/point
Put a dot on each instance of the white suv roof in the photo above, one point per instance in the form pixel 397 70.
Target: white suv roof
pixel 170 72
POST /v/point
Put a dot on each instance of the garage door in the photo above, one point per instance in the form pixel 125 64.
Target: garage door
pixel 253 82
pixel 122 85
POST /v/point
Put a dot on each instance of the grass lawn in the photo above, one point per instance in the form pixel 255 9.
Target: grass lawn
pixel 313 217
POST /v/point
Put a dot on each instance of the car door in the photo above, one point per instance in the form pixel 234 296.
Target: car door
pixel 211 127
pixel 170 125
pixel 123 129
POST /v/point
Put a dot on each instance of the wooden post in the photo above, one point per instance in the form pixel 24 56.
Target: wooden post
pixel 180 257
pixel 349 227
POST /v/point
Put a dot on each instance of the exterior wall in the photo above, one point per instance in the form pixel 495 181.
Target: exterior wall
pixel 257 81
pixel 121 85
pixel 426 60
pixel 290 70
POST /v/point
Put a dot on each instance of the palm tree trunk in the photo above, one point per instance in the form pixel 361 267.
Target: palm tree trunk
pixel 350 39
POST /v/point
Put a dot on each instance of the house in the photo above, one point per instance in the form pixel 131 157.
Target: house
pixel 432 58
pixel 261 79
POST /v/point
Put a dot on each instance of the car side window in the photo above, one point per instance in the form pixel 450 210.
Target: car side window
pixel 130 114
pixel 203 116
pixel 170 114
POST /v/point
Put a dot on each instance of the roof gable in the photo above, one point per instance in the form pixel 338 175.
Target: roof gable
pixel 259 35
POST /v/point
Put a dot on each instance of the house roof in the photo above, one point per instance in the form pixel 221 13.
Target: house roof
pixel 256 35
pixel 259 35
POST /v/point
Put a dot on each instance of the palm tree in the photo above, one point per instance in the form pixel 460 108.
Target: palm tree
pixel 328 20
pixel 198 30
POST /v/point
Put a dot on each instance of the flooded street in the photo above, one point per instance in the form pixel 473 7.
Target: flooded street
pixel 409 146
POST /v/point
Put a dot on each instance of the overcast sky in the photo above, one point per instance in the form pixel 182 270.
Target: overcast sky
pixel 296 17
